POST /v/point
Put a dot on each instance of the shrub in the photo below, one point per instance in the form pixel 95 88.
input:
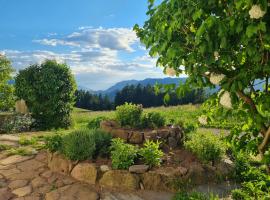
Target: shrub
pixel 103 142
pixel 129 114
pixel 95 123
pixel 17 123
pixel 122 154
pixel 207 146
pixel 54 142
pixel 151 153
pixel 152 120
pixel 193 196
pixel 79 145
pixel 48 90
pixel 22 151
pixel 4 147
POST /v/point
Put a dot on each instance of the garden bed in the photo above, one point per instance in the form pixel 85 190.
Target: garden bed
pixel 180 170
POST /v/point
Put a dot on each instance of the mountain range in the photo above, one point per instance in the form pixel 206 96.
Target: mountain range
pixel 111 92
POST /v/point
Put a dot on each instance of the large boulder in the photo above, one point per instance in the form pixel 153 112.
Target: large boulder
pixel 153 181
pixel 85 172
pixel 150 135
pixel 120 133
pixel 136 137
pixel 58 163
pixel 139 169
pixel 119 179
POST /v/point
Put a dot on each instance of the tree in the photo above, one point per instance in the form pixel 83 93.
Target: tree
pixel 223 43
pixel 6 89
pixel 48 90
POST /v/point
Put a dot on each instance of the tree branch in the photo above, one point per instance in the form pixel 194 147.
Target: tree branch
pixel 251 103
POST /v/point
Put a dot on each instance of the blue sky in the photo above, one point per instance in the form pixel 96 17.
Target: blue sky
pixel 94 37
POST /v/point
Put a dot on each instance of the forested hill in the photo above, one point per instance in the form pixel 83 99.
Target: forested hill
pixel 111 92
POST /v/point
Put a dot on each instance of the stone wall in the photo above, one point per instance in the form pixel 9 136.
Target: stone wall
pixel 139 177
pixel 171 137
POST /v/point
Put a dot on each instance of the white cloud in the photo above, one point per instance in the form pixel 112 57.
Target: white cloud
pixel 88 37
pixel 95 69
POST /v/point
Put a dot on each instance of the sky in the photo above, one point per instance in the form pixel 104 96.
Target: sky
pixel 94 37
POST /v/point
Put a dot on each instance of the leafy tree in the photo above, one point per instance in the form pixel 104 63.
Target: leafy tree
pixel 48 90
pixel 223 43
pixel 6 89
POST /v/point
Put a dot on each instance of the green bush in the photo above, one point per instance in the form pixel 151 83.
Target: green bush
pixel 54 142
pixel 79 145
pixel 152 120
pixel 129 114
pixel 193 196
pixel 48 90
pixel 122 154
pixel 150 153
pixel 95 123
pixel 207 146
pixel 103 142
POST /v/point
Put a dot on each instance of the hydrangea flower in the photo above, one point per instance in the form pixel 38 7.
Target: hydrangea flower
pixel 202 120
pixel 170 71
pixel 216 78
pixel 216 55
pixel 256 12
pixel 225 100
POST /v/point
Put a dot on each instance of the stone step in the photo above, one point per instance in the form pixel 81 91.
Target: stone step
pixel 10 138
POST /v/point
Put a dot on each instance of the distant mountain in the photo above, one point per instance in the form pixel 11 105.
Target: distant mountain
pixel 111 92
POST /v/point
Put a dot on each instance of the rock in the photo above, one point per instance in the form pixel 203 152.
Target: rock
pixel 175 130
pixel 108 125
pixel 104 168
pixel 58 163
pixel 30 165
pixel 120 196
pixel 85 172
pixel 38 182
pixel 73 192
pixel 120 133
pixel 47 174
pixel 224 167
pixel 14 159
pixel 5 194
pixel 150 135
pixel 11 138
pixel 7 172
pixel 196 174
pixel 139 169
pixel 152 181
pixel 163 133
pixel 23 175
pixel 172 142
pixel 182 170
pixel 17 184
pixel 21 192
pixel 120 179
pixel 136 137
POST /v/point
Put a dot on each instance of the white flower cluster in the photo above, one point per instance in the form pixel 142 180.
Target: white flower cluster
pixel 256 12
pixel 216 78
pixel 216 55
pixel 202 120
pixel 225 100
pixel 170 71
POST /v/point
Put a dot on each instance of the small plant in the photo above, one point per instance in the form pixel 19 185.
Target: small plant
pixel 207 146
pixel 150 153
pixel 4 147
pixel 27 141
pixel 122 154
pixel 129 114
pixel 95 123
pixel 152 120
pixel 103 142
pixel 193 196
pixel 54 142
pixel 79 145
pixel 22 151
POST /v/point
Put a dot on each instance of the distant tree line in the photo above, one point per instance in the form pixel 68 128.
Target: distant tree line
pixel 136 94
